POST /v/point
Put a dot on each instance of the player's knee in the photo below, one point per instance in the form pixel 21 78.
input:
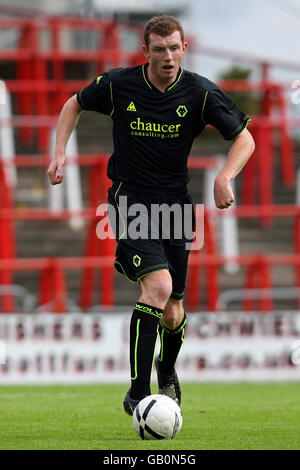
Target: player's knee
pixel 163 290
pixel 156 288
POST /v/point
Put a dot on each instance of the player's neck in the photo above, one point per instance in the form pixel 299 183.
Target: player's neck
pixel 159 83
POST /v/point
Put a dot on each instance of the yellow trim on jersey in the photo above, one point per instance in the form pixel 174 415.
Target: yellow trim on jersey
pixel 144 75
pixel 112 100
pixel 175 83
pixel 170 88
pixel 203 106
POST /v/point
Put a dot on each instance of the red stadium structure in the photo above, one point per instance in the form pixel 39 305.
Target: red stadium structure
pixel 41 75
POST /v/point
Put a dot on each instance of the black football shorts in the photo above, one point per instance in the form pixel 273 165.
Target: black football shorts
pixel 154 231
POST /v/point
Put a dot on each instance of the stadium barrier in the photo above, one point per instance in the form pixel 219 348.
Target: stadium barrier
pixel 94 348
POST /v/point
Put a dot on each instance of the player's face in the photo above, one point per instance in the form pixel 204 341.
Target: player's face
pixel 164 55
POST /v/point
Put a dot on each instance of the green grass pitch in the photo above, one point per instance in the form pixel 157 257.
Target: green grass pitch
pixel 90 417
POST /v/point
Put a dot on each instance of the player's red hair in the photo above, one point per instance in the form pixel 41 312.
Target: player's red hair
pixel 163 25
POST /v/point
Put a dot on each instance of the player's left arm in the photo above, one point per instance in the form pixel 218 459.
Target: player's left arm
pixel 241 150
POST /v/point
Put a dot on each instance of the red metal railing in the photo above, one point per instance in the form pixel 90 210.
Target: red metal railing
pixel 40 93
pixel 52 286
pixel 99 254
pixel 257 274
pixel 41 82
pixel 7 237
pixel 258 174
pixel 41 87
pixel 98 186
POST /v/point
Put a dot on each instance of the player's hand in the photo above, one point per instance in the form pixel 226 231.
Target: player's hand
pixel 223 194
pixel 55 170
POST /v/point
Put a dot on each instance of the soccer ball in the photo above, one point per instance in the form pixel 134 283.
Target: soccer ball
pixel 157 417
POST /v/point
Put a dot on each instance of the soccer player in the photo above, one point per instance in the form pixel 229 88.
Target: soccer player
pixel 157 110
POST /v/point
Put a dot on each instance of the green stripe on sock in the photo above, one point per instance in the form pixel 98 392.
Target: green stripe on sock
pixel 161 356
pixel 135 349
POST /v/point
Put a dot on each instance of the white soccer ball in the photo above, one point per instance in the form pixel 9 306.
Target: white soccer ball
pixel 157 417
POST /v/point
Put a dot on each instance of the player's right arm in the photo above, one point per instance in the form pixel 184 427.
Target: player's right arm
pixel 97 96
pixel 67 122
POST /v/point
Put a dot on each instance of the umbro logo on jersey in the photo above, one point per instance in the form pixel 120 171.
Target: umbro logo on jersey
pixel 131 107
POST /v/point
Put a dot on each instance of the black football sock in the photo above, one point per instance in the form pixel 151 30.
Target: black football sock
pixel 143 335
pixel 170 344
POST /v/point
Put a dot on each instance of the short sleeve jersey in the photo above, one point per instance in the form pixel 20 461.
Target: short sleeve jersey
pixel 153 132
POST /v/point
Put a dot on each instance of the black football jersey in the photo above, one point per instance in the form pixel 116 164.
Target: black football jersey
pixel 153 131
